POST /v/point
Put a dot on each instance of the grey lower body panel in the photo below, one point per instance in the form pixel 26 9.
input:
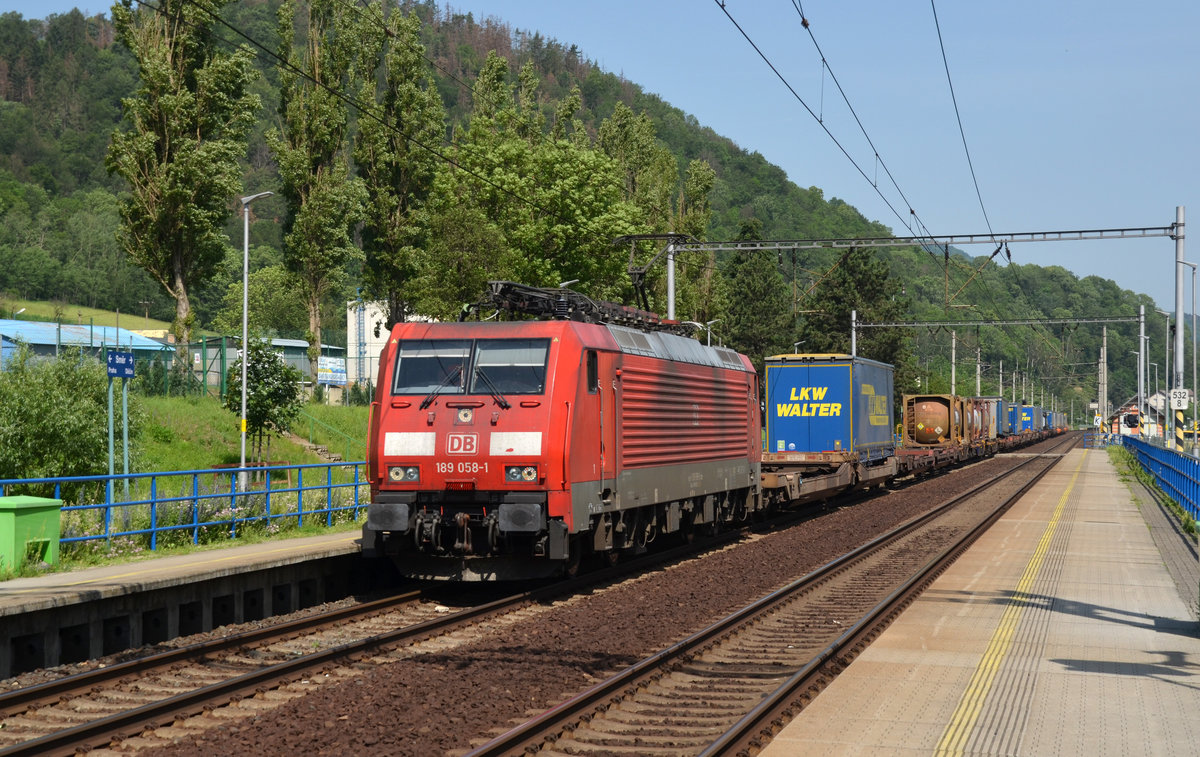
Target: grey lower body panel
pixel 642 487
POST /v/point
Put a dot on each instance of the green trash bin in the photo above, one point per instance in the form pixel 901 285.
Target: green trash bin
pixel 29 530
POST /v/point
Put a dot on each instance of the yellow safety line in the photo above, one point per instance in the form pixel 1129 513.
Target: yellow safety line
pixel 962 723
pixel 227 558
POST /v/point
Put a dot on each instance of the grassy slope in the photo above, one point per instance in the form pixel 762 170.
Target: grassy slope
pixel 195 433
pixel 192 433
pixel 40 310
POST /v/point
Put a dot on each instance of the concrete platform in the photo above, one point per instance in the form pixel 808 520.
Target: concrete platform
pixel 23 595
pixel 79 615
pixel 1060 632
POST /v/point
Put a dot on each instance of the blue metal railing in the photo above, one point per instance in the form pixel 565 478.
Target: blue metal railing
pixel 1176 474
pixel 203 505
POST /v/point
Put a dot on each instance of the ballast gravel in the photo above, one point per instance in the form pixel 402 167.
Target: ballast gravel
pixel 450 701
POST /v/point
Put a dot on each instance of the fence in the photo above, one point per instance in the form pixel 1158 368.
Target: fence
pixel 1097 439
pixel 149 510
pixel 1176 474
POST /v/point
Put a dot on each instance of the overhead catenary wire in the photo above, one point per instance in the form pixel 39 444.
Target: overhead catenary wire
pixel 368 110
pixel 879 161
pixel 958 116
pixel 974 272
pixel 907 223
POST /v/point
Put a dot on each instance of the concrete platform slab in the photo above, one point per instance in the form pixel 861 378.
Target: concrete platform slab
pixel 71 617
pixel 23 595
pixel 1060 632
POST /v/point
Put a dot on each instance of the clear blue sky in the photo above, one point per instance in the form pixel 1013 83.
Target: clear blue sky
pixel 1078 115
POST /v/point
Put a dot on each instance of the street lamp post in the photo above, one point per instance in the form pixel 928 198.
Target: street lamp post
pixel 245 320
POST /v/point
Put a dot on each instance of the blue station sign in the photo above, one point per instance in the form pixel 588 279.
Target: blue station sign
pixel 120 364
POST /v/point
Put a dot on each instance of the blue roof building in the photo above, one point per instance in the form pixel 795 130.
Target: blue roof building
pixel 48 338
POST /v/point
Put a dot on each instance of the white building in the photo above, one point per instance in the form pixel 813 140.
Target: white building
pixel 366 336
pixel 365 339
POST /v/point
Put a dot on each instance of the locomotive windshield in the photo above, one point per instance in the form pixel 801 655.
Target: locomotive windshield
pixel 425 365
pixel 512 366
pixel 484 366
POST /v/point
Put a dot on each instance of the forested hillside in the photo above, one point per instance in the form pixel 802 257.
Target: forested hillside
pixel 554 116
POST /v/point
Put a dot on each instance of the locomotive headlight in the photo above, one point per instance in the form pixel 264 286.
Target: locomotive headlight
pixel 404 473
pixel 525 473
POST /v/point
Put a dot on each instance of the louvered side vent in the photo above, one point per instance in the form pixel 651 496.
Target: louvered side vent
pixel 690 415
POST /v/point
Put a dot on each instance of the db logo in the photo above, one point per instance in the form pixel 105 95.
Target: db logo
pixel 462 444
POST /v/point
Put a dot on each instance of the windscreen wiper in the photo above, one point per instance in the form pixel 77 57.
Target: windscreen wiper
pixel 445 383
pixel 496 395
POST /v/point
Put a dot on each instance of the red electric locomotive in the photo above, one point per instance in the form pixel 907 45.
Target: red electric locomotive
pixel 505 450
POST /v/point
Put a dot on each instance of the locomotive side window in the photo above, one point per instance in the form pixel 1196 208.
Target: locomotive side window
pixel 426 365
pixel 593 372
pixel 510 366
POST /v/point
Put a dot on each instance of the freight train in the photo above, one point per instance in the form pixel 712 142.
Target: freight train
pixel 504 450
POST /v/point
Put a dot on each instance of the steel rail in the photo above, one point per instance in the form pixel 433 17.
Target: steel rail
pixel 759 725
pixel 71 740
pixel 529 735
pixel 15 702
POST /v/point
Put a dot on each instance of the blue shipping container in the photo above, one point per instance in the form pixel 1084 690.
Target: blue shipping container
pixel 829 403
pixel 1033 418
pixel 1004 419
pixel 1014 417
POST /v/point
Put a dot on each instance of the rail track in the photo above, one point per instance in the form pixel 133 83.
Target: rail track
pixel 123 700
pixel 112 703
pixel 728 688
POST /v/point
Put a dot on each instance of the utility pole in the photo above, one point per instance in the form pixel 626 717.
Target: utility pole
pixel 1177 376
pixel 953 361
pixel 1142 370
pixel 1104 373
pixel 978 374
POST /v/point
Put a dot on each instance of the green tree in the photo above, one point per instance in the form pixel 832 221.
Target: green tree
pixel 552 202
pixel 189 118
pixel 54 418
pixel 394 153
pixel 323 200
pixel 860 282
pixel 648 169
pixel 275 305
pixel 758 318
pixel 273 398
